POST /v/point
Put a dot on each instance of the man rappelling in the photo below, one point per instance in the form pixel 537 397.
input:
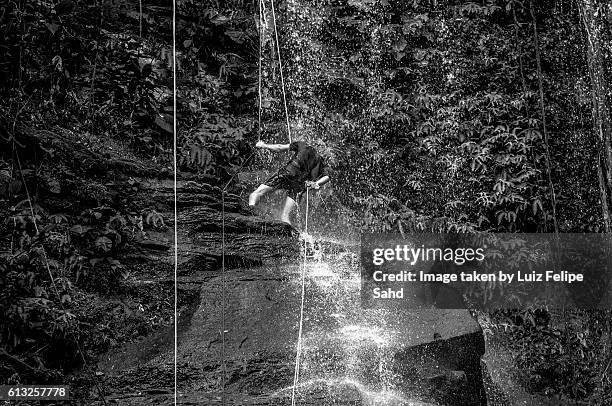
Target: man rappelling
pixel 306 169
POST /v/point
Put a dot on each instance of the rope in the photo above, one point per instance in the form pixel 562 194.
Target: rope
pixel 223 191
pixel 56 290
pixel 224 278
pixel 280 66
pixel 224 283
pixel 261 34
pixel 262 24
pixel 296 374
pixel 175 144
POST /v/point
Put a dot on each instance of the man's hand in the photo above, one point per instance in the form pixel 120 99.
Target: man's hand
pixel 312 185
pixel 260 144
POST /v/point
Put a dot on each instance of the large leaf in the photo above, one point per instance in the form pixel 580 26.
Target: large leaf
pixel 104 243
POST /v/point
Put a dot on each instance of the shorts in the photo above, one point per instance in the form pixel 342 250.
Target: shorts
pixel 295 185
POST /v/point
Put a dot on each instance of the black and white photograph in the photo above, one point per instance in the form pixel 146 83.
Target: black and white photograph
pixel 306 202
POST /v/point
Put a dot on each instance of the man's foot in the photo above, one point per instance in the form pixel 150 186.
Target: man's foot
pixel 248 209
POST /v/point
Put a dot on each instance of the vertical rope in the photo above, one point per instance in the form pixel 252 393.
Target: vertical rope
pixel 306 220
pixel 280 67
pixel 296 374
pixel 175 143
pixel 223 288
pixel 224 278
pixel 261 40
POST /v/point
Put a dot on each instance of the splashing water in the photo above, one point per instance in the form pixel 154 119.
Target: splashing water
pixel 367 396
pixel 347 351
pixel 365 333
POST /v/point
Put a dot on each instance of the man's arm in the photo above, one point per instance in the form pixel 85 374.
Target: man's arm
pixel 322 181
pixel 272 147
pixel 315 184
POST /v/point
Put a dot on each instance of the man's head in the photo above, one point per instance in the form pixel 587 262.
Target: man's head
pixel 299 134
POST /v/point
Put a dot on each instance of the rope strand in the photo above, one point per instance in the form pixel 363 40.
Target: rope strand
pixel 223 270
pixel 261 41
pixel 53 284
pixel 296 374
pixel 224 287
pixel 280 67
pixel 223 191
pixel 175 145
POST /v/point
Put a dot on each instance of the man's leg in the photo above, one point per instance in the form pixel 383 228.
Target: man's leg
pixel 290 205
pixel 258 193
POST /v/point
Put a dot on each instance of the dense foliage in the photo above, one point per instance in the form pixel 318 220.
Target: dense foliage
pixel 218 86
pixel 86 91
pixel 438 107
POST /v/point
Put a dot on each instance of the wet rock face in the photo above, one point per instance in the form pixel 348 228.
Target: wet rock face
pixel 446 370
pixel 349 355
pixel 237 341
